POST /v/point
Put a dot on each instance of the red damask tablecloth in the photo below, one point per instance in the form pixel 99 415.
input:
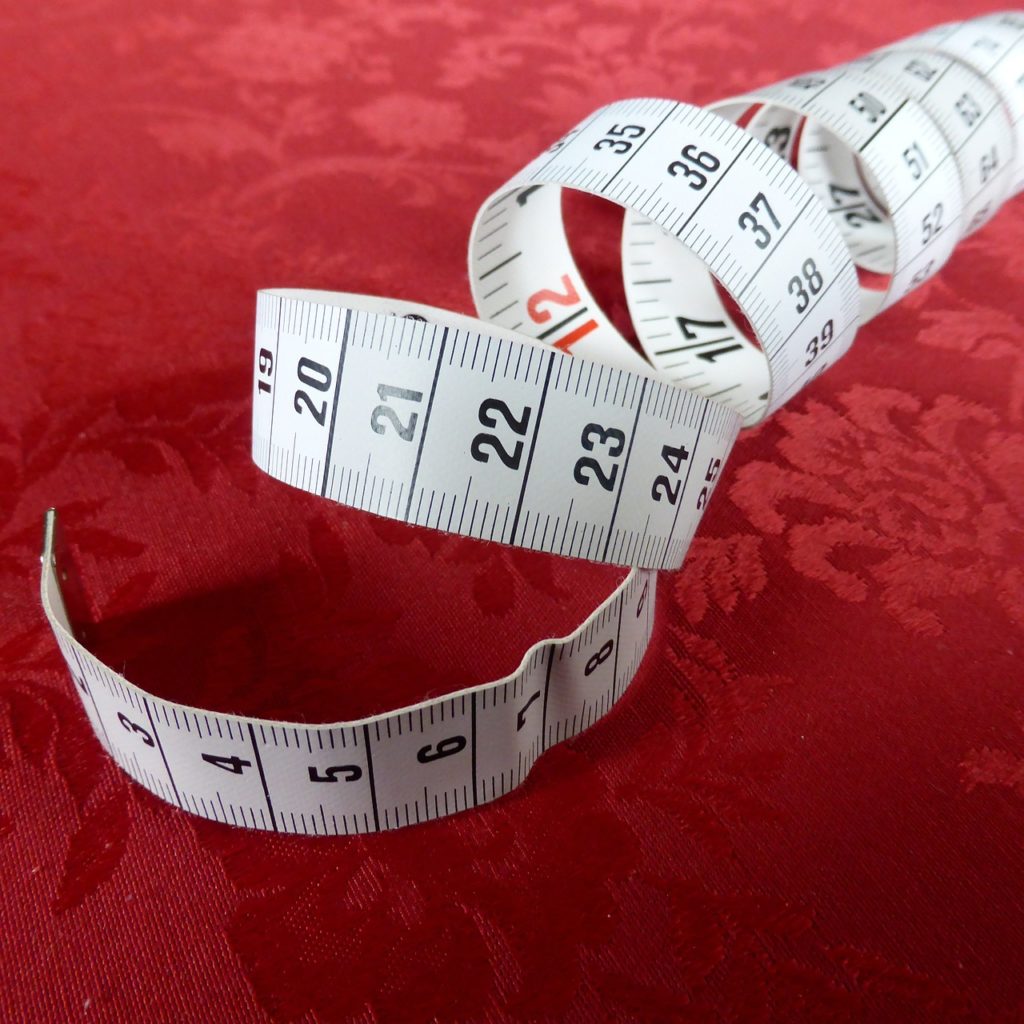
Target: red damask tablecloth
pixel 811 803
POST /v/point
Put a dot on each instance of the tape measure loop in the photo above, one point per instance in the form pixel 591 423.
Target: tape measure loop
pixel 701 197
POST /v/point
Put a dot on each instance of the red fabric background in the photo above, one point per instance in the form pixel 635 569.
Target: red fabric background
pixel 811 805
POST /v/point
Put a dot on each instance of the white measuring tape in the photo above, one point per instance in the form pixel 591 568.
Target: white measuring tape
pixel 994 46
pixel 541 427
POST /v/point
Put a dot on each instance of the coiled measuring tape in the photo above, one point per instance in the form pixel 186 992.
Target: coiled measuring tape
pixel 993 46
pixel 812 204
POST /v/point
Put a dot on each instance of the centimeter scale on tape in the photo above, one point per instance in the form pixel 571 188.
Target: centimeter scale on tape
pixel 812 205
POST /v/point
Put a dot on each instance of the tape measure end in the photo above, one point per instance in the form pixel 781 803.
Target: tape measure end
pixel 49 532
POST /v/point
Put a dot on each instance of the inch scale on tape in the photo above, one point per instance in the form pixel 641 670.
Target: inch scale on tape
pixel 847 126
pixel 812 204
pixel 861 131
pixel 683 170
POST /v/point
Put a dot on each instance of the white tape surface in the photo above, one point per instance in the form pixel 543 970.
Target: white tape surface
pixel 541 427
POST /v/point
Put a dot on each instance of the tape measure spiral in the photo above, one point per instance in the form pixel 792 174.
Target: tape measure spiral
pixel 758 234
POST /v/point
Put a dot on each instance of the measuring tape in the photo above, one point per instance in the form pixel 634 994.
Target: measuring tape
pixel 757 236
pixel 994 46
pixel 972 118
pixel 681 173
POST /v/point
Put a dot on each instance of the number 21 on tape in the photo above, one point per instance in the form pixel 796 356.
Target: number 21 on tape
pixel 568 296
